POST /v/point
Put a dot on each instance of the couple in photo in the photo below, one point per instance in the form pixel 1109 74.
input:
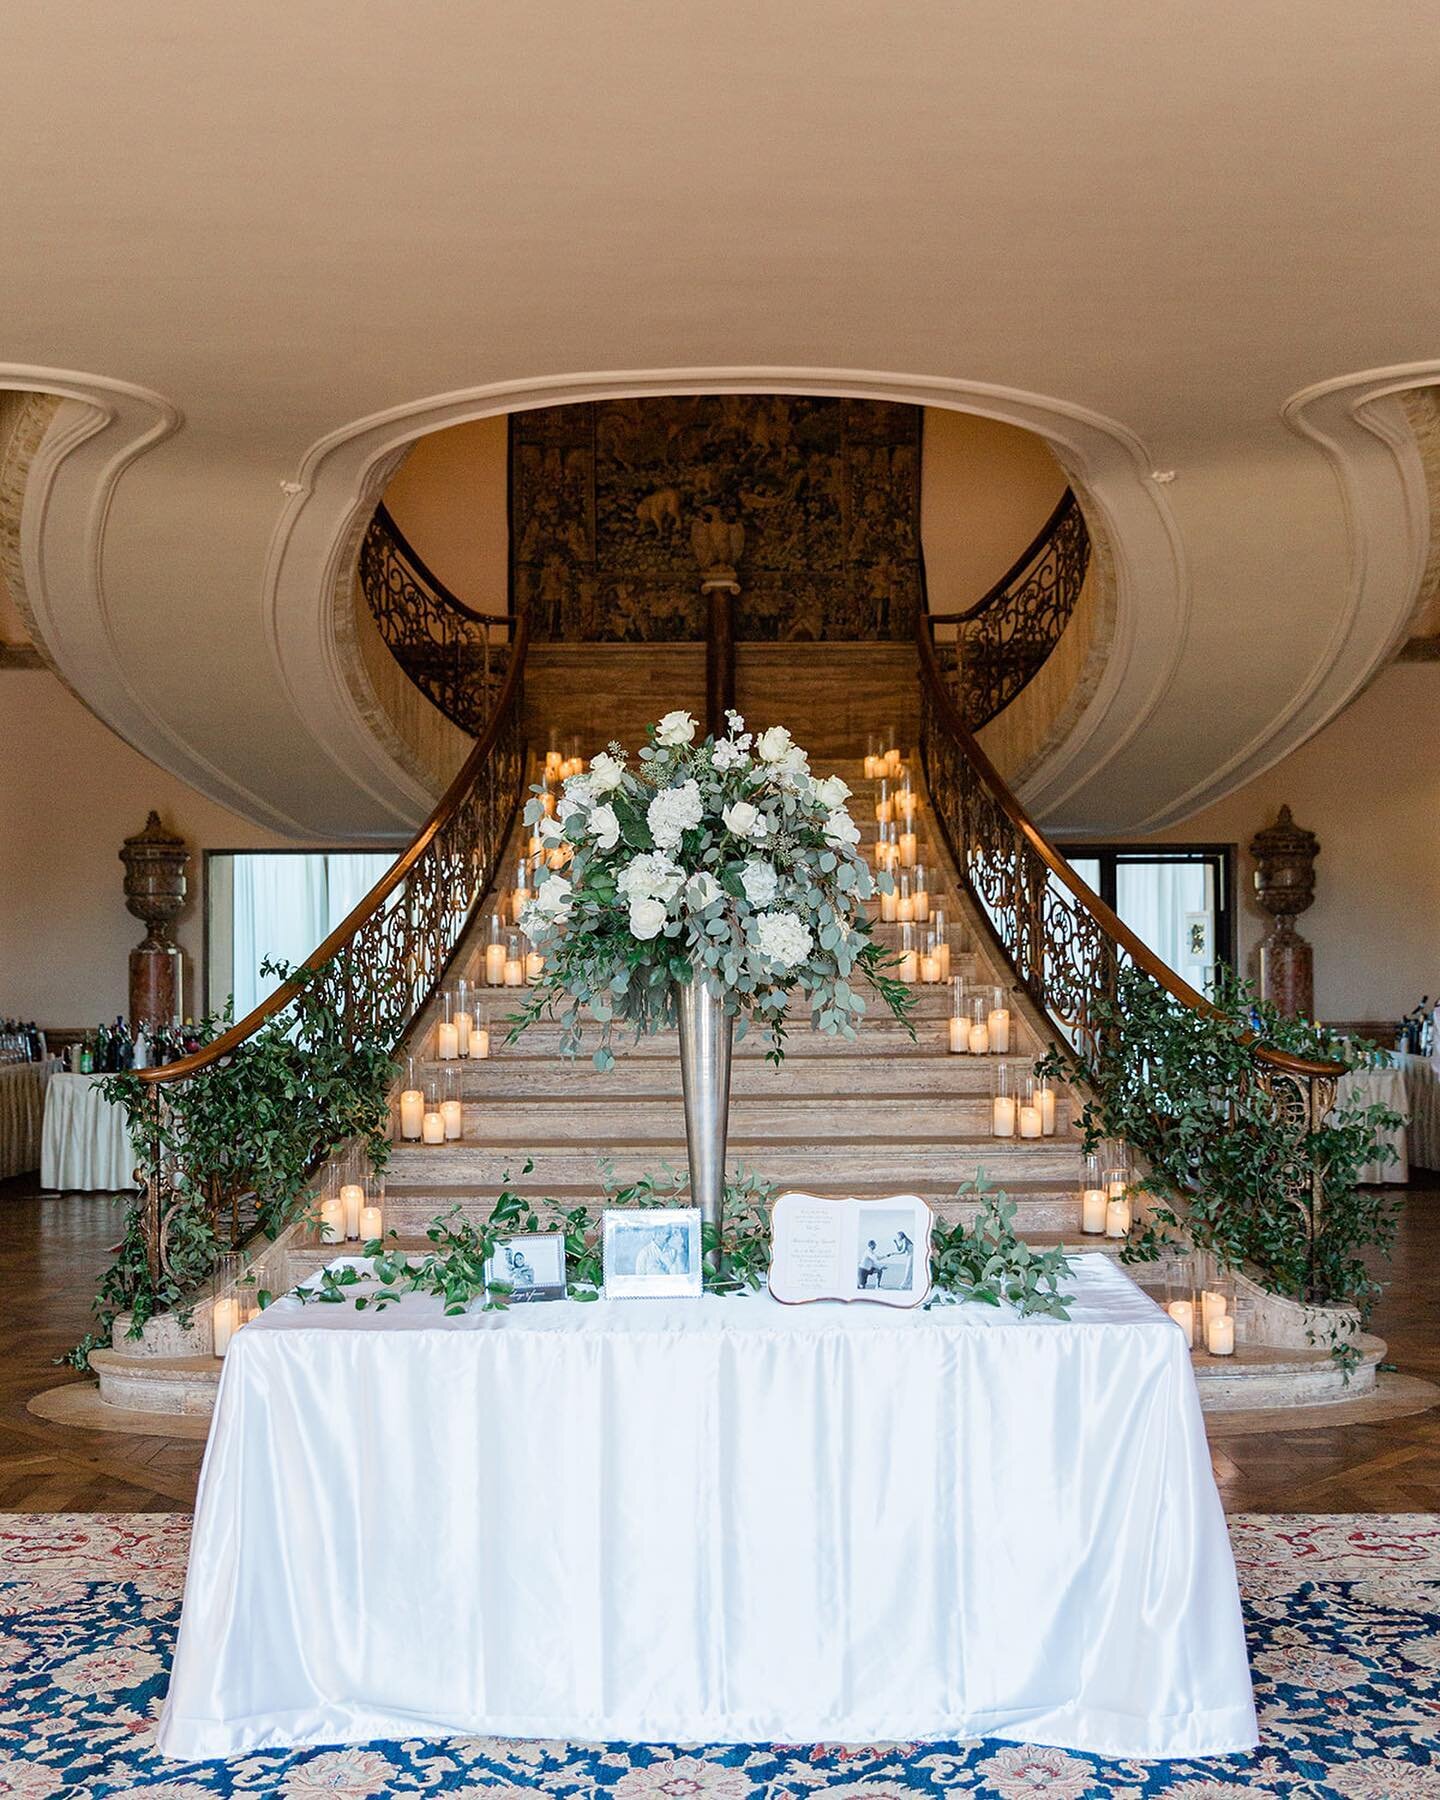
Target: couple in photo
pixel 892 1267
pixel 664 1252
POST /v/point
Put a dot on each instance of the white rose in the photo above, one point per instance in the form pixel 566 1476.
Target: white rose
pixel 650 876
pixel 841 832
pixel 832 792
pixel 578 789
pixel 568 808
pixel 675 730
pixel 760 882
pixel 604 827
pixel 550 831
pixel 744 820
pixel 553 897
pixel 774 745
pixel 647 918
pixel 702 890
pixel 606 773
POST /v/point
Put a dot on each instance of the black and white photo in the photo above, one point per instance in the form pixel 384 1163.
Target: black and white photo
pixel 652 1253
pixel 532 1267
pixel 886 1252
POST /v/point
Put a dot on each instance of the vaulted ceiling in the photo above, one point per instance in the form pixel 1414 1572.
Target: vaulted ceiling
pixel 260 250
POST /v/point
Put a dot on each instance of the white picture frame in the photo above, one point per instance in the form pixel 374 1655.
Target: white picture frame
pixel 872 1251
pixel 531 1265
pixel 652 1253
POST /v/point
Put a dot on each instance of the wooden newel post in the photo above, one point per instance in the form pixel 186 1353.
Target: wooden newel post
pixel 155 864
pixel 718 543
pixel 1285 886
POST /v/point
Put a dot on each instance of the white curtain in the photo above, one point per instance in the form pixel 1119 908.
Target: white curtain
pixel 1154 898
pixel 285 906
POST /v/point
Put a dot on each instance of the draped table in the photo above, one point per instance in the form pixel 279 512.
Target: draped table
pixel 1381 1086
pixel 22 1107
pixel 84 1144
pixel 1422 1105
pixel 714 1521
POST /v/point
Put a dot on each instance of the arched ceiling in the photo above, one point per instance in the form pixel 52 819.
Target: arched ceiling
pixel 260 249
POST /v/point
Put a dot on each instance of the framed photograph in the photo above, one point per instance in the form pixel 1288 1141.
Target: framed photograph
pixel 829 1249
pixel 1199 940
pixel 652 1253
pixel 531 1266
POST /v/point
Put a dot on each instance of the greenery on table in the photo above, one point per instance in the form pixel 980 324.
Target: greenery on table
pixel 983 1261
pixel 249 1127
pixel 726 862
pixel 1181 1088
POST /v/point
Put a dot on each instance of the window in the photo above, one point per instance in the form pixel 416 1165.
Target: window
pixel 1178 900
pixel 275 904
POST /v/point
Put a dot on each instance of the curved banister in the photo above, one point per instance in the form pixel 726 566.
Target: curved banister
pixel 445 596
pixel 939 706
pixel 1033 551
pixel 446 810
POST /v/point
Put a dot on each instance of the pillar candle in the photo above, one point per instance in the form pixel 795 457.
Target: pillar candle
pixel 495 964
pixel 889 908
pixel 332 1222
pixel 352 1198
pixel 909 965
pixel 873 767
pixel 920 900
pixel 999 1023
pixel 1047 1111
pixel 225 1322
pixel 884 810
pixel 553 759
pixel 452 1118
pixel 892 760
pixel 929 967
pixel 514 971
pixel 1002 1116
pixel 908 849
pixel 979 1038
pixel 1117 1217
pixel 1212 1305
pixel 464 1028
pixel 371 1226
pixel 479 1042
pixel 905 909
pixel 1183 1313
pixel 534 965
pixel 960 1037
pixel 412 1108
pixel 1093 1202
pixel 432 1128
pixel 519 900
pixel 905 804
pixel 1220 1335
pixel 448 1042
pixel 1030 1121
pixel 942 949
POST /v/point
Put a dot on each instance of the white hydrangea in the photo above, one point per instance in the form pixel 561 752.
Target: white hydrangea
pixel 579 790
pixel 672 812
pixel 744 820
pixel 702 890
pixel 606 772
pixel 647 918
pixel 604 827
pixel 782 938
pixel 675 730
pixel 832 792
pixel 650 876
pixel 760 882
pixel 841 832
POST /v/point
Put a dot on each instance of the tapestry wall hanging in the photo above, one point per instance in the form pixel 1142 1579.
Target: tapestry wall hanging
pixel 604 497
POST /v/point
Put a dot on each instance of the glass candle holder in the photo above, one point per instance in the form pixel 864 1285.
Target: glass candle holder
pixel 480 1035
pixel 452 1112
pixel 909 969
pixel 330 1210
pixel 979 1025
pixel 889 904
pixel 412 1105
pixel 1045 1100
pixel 884 806
pixel 432 1121
pixel 520 893
pixel 893 759
pixel 1093 1197
pixel 940 926
pixel 905 802
pixel 447 1035
pixel 920 894
pixel 904 902
pixel 909 846
pixel 959 1025
pixel 495 952
pixel 1003 1103
pixel 1027 1104
pixel 462 1015
pixel 226 1316
pixel 372 1213
pixel 999 1020
pixel 1216 1317
pixel 514 961
pixel 1117 1201
pixel 534 962
pixel 929 960
pixel 1182 1301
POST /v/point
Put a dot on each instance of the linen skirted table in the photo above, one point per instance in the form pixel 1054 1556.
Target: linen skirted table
pixel 84 1145
pixel 1422 1106
pixel 1385 1085
pixel 713 1521
pixel 22 1109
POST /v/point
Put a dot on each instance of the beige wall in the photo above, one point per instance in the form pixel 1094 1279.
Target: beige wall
pixel 70 792
pixel 1368 786
pixel 986 489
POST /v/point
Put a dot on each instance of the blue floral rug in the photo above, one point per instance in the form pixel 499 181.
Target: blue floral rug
pixel 1343 1616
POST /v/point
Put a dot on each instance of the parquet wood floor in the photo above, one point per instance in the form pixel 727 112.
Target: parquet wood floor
pixel 53 1248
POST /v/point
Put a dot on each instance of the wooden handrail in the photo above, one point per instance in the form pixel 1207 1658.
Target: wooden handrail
pixel 1084 895
pixel 1031 553
pixel 439 591
pixel 445 809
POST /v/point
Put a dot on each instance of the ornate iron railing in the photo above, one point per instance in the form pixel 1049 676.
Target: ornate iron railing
pixel 1064 944
pixel 454 655
pixel 378 969
pixel 988 652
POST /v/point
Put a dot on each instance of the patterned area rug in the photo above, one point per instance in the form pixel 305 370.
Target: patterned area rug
pixel 1343 1616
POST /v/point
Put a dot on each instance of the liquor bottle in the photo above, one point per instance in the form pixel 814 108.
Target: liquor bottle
pixel 87 1055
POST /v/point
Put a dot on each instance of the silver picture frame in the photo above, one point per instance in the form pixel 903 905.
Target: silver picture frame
pixel 652 1253
pixel 531 1265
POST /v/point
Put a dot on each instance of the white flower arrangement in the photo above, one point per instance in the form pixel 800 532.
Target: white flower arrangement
pixel 724 862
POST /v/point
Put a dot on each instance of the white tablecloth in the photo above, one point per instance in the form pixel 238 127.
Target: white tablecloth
pixel 717 1521
pixel 1422 1094
pixel 84 1144
pixel 22 1107
pixel 1384 1086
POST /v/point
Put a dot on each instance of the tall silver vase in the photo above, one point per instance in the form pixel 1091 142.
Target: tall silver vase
pixel 706 1037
